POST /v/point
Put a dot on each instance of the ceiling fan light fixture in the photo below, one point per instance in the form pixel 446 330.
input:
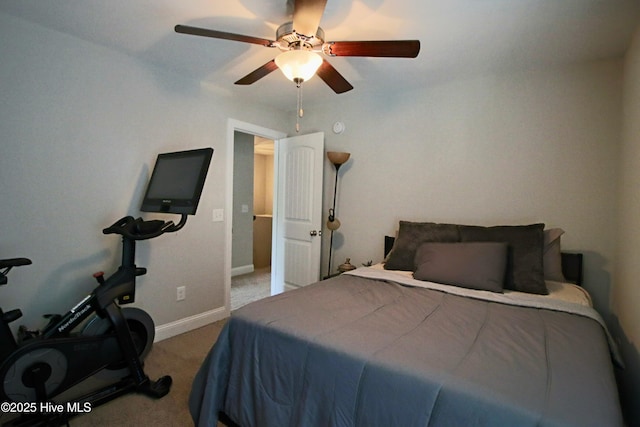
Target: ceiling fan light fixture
pixel 298 65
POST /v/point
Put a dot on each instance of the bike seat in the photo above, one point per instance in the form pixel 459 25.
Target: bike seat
pixel 14 262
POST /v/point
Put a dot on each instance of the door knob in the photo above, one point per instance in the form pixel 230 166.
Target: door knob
pixel 313 233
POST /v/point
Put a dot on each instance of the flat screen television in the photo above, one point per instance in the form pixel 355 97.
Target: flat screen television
pixel 176 182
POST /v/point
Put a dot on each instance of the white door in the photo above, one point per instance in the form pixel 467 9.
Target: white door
pixel 298 217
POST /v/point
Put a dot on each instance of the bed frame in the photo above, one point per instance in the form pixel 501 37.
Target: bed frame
pixel 571 262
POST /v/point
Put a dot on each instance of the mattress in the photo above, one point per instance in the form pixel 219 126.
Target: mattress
pixel 372 348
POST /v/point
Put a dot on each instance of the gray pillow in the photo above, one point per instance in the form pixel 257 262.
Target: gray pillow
pixel 411 235
pixel 552 255
pixel 474 265
pixel 524 262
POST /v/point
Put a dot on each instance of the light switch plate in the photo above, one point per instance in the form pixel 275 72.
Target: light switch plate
pixel 218 215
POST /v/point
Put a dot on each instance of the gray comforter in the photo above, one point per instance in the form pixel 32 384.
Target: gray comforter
pixel 357 351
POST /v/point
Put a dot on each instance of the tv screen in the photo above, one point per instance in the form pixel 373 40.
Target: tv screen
pixel 176 182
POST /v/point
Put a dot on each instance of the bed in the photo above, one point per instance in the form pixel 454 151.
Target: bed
pixel 396 344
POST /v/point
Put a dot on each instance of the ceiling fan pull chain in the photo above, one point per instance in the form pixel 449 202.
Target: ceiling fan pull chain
pixel 299 110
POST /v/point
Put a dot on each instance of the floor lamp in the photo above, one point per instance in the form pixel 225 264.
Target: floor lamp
pixel 337 159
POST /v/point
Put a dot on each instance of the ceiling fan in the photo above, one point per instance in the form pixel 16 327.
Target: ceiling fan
pixel 301 39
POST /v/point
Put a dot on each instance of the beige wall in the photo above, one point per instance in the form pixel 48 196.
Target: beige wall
pixel 508 148
pixel 243 195
pixel 626 292
pixel 263 184
pixel 81 127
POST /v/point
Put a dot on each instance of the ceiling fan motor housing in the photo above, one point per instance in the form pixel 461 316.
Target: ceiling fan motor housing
pixel 288 39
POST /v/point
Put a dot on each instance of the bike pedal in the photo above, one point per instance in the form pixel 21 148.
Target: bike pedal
pixel 25 334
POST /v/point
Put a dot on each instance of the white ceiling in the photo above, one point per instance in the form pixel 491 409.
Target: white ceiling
pixel 458 37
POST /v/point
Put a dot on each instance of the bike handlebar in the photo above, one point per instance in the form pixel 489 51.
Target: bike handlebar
pixel 139 229
pixel 128 227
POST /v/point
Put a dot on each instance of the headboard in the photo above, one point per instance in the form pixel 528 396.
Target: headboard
pixel 571 262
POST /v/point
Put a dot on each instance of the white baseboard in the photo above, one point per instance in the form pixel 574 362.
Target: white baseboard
pixel 187 324
pixel 288 287
pixel 243 269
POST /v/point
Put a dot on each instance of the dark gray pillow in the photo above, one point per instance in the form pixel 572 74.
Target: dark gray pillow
pixel 474 265
pixel 411 235
pixel 525 272
pixel 552 255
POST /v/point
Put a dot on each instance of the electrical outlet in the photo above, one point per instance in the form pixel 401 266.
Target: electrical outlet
pixel 181 293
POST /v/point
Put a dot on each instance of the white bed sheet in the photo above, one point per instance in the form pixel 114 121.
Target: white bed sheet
pixel 562 291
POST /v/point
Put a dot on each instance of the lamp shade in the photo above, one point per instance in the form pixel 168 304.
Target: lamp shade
pixel 338 157
pixel 298 64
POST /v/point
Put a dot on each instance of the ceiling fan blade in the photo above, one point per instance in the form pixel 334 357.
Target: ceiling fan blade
pixel 307 15
pixel 382 48
pixel 333 78
pixel 258 73
pixel 185 29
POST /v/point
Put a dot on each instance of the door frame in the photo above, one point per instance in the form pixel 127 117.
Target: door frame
pixel 234 125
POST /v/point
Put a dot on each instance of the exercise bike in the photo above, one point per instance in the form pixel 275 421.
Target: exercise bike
pixel 95 336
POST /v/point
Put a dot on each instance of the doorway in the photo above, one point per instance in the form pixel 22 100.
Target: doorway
pixel 252 219
pixel 234 126
pixel 297 207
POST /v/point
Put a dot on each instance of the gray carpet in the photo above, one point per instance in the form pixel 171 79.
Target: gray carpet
pixel 250 287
